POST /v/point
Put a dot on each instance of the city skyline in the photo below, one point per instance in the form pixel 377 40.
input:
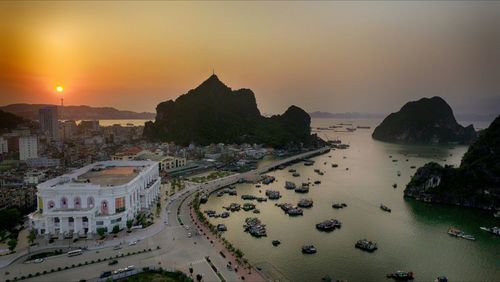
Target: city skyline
pixel 322 56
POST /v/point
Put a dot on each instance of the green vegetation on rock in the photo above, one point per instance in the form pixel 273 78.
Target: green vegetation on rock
pixel 476 183
pixel 213 113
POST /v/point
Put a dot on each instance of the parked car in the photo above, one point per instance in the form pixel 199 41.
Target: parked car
pixel 132 243
pixel 38 260
pixel 113 262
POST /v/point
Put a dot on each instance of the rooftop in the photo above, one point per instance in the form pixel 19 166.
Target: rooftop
pixel 109 176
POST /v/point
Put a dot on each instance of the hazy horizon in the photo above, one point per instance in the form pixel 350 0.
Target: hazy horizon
pixel 368 57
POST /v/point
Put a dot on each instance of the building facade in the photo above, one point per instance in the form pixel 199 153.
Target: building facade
pixel 100 195
pixel 49 122
pixel 28 147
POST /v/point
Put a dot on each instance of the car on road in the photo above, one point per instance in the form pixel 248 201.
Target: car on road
pixel 113 262
pixel 189 235
pixel 105 274
pixel 132 243
pixel 38 260
pixel 187 227
pixel 117 247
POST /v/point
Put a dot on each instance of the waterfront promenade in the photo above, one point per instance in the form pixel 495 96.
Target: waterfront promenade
pixel 176 248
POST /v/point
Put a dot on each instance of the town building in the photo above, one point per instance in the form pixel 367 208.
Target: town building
pixel 4 145
pixel 100 195
pixel 49 122
pixel 28 147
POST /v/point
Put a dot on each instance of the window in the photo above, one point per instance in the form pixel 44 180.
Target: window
pixel 99 222
pixel 64 203
pixel 104 207
pixel 119 204
pixel 51 205
pixel 77 202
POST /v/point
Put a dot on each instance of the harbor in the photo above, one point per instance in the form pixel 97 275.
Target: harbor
pixel 413 236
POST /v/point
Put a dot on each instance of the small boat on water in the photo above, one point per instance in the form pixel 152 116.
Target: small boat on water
pixel 401 275
pixel 394 185
pixel 366 245
pixel 460 234
pixel 296 174
pixel 305 203
pixel 339 205
pixel 295 212
pixel 335 165
pixel 257 186
pixel 328 225
pixel 290 185
pixel 292 170
pixel 441 279
pixel 256 211
pixel 302 189
pixel 220 193
pixel 276 243
pixel 492 230
pixel 412 167
pixel 317 182
pixel 385 208
pixel 308 162
pixel 248 206
pixel 308 249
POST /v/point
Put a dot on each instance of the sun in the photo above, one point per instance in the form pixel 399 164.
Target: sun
pixel 59 89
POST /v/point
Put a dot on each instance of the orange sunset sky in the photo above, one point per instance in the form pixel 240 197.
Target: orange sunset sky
pixel 328 56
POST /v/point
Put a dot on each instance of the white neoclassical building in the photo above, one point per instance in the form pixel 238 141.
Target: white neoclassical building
pixel 100 195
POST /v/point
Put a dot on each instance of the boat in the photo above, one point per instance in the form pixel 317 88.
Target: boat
pixel 290 185
pixel 224 215
pixel 335 165
pixel 295 212
pixel 234 207
pixel 328 225
pixel 363 127
pixel 296 174
pixel 455 232
pixel 317 182
pixel 441 279
pixel 292 170
pixel 273 195
pixel 366 245
pixel 497 214
pixel 308 249
pixel 401 275
pixel 302 189
pixel 220 193
pixel 257 186
pixel 385 208
pixel 338 206
pixel 308 162
pixel 493 230
pixel 399 173
pixel 412 167
pixel 394 185
pixel 305 203
pixel 276 243
pixel 268 179
pixel 468 237
pixel 248 206
pixel 255 227
pixel 221 227
pixel 256 211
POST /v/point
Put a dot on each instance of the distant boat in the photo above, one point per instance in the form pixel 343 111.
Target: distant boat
pixel 385 208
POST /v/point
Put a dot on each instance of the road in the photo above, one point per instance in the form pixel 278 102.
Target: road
pixel 177 249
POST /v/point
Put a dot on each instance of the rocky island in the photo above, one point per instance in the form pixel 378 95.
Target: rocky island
pixel 426 121
pixel 476 183
pixel 214 113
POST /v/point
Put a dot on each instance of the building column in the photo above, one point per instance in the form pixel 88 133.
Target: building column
pixel 77 226
pixel 90 231
pixel 62 227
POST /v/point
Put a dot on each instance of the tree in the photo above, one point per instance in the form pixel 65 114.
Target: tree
pixel 12 244
pixel 101 231
pixel 199 277
pixel 116 229
pixel 130 222
pixel 31 236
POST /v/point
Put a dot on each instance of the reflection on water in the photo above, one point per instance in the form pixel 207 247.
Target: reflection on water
pixel 412 237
